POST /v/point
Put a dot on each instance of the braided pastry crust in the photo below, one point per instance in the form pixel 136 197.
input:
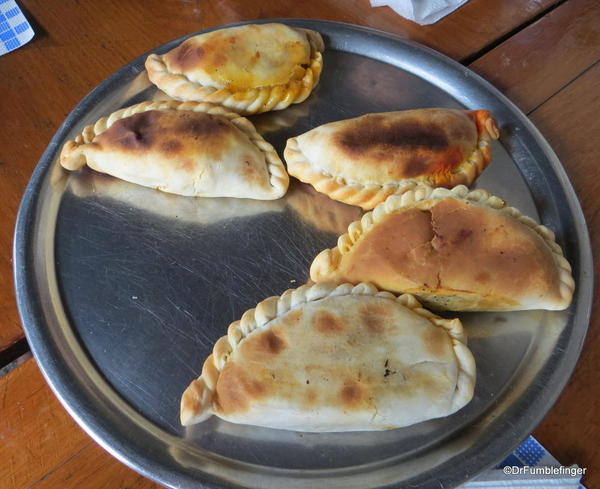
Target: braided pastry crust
pixel 364 195
pixel 249 100
pixel 74 153
pixel 200 400
pixel 327 265
pixel 363 161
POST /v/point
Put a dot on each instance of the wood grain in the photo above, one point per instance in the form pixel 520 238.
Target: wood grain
pixel 569 120
pixel 93 468
pixel 560 54
pixel 36 433
pixel 538 61
pixel 42 447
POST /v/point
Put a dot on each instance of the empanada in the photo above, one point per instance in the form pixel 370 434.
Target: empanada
pixel 327 358
pixel 454 250
pixel 362 161
pixel 186 148
pixel 251 68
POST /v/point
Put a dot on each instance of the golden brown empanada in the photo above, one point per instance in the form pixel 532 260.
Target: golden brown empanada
pixel 362 161
pixel 454 250
pixel 186 148
pixel 327 358
pixel 250 68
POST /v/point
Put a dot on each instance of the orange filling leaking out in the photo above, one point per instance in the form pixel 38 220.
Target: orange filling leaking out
pixel 446 165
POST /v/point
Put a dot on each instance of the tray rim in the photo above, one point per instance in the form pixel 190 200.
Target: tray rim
pixel 59 375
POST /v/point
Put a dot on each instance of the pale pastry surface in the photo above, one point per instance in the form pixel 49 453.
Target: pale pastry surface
pixel 243 57
pixel 252 68
pixel 188 149
pixel 349 361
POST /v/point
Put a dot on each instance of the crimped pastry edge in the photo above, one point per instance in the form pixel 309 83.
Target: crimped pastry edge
pixel 72 158
pixel 327 261
pixel 367 196
pixel 200 393
pixel 245 102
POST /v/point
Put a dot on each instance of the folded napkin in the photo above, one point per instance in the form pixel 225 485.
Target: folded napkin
pixel 520 471
pixel 14 28
pixel 422 12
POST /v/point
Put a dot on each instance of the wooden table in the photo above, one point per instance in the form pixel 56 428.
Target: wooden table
pixel 543 54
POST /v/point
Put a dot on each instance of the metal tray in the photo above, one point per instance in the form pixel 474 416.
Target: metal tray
pixel 122 290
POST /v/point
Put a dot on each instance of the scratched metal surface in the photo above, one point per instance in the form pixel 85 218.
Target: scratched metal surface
pixel 123 290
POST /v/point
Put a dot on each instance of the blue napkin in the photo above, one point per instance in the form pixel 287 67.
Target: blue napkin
pixel 14 28
pixel 530 466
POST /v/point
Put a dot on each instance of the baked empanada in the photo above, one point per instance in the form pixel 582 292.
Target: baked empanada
pixel 362 161
pixel 327 358
pixel 454 250
pixel 251 68
pixel 186 148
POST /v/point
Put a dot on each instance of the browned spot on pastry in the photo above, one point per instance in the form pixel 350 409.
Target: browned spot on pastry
pixel 462 235
pixel 437 166
pixel 263 346
pixel 352 394
pixel 416 166
pixel 374 131
pixel 171 147
pixel 448 161
pixel 236 389
pixel 200 125
pixel 328 323
pixel 249 172
pixel 170 133
pixel 310 397
pixel 374 317
pixel 136 132
pixel 436 341
pixel 483 277
pixel 212 53
pixel 424 144
pixel 186 56
pixel 271 343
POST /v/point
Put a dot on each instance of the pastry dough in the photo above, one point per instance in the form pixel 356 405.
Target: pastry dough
pixel 327 358
pixel 362 161
pixel 454 250
pixel 186 148
pixel 251 68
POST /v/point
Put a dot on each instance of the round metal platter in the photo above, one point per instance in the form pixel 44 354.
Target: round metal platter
pixel 123 289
